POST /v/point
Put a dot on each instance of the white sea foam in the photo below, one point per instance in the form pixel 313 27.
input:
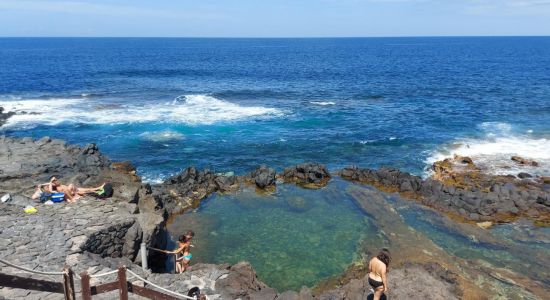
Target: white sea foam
pixel 189 109
pixel 493 152
pixel 322 103
pixel 162 136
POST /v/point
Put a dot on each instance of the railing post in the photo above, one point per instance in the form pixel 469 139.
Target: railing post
pixel 85 285
pixel 143 251
pixel 122 283
pixel 68 284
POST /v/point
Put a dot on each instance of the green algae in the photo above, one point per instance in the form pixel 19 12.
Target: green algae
pixel 293 238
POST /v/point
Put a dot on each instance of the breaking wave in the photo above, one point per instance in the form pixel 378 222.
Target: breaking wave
pixel 188 109
pixel 493 152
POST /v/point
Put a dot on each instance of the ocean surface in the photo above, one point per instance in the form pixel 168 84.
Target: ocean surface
pixel 233 104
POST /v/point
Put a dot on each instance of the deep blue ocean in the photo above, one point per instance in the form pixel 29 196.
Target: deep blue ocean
pixel 233 104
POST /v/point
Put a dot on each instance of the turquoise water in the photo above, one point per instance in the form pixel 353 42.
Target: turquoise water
pixel 293 238
pixel 298 237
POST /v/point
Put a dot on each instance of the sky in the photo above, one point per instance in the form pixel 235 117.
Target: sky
pixel 273 18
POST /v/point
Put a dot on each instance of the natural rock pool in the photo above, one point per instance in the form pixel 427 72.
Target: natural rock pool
pixel 293 237
pixel 299 237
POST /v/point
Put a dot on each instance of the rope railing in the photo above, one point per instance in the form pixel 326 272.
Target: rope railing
pixel 159 287
pixel 104 274
pixel 29 270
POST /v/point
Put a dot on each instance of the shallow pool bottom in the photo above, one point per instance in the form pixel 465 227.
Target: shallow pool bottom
pixel 293 238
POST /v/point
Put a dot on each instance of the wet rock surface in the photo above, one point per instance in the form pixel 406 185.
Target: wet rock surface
pixel 4 116
pixel 459 188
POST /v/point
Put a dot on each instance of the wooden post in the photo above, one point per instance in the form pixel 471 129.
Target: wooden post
pixel 68 284
pixel 122 283
pixel 143 251
pixel 85 285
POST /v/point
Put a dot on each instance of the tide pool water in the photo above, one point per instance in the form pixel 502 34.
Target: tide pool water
pixel 298 237
pixel 233 104
pixel 292 238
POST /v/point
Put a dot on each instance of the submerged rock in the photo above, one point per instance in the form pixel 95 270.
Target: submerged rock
pixel 298 204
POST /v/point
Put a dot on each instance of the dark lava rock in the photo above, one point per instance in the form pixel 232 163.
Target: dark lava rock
pixel 524 175
pixel 307 174
pixel 524 161
pixel 25 162
pixel 4 116
pixel 263 177
pixel 189 188
pixel 243 283
pixel 502 201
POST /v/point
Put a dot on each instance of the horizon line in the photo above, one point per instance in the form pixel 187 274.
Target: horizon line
pixel 276 37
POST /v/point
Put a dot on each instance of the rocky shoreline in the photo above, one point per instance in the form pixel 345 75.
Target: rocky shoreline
pixel 95 235
pixel 459 189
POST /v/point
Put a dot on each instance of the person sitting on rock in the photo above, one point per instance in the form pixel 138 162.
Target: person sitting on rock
pixel 183 254
pixel 378 268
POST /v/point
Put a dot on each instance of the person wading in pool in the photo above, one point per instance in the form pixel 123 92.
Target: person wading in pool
pixel 378 268
pixel 183 253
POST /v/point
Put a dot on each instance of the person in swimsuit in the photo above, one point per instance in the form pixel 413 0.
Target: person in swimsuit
pixel 378 268
pixel 183 253
pixel 49 187
pixel 72 193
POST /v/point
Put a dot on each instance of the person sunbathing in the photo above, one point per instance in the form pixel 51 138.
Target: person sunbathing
pixel 72 193
pixel 46 188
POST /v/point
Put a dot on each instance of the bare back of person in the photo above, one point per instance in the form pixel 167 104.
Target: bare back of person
pixel 378 269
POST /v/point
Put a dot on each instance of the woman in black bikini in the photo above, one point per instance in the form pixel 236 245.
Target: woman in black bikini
pixel 378 268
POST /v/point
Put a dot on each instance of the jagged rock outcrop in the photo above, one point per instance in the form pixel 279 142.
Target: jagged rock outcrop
pixel 309 175
pixel 463 191
pixel 263 177
pixel 4 116
pixel 190 187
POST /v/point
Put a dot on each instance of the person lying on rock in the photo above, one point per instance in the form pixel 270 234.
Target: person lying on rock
pixel 46 188
pixel 183 253
pixel 378 268
pixel 72 193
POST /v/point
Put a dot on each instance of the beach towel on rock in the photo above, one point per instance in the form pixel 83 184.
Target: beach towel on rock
pixel 105 192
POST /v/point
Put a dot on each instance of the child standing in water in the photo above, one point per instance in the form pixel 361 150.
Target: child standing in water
pixel 378 268
pixel 183 252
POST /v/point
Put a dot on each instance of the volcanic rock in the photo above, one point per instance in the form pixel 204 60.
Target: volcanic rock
pixel 309 175
pixel 524 161
pixel 263 177
pixel 4 116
